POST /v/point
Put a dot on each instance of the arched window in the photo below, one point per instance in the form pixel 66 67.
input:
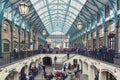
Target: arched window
pixel 5 27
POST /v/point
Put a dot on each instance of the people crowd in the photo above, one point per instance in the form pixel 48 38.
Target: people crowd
pixel 103 53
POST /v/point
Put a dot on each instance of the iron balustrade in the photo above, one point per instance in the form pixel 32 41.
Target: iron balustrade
pixel 8 58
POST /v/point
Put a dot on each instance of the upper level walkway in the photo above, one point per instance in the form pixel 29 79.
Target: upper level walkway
pixel 87 65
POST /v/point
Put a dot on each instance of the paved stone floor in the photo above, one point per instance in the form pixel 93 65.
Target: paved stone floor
pixel 49 69
pixel 40 76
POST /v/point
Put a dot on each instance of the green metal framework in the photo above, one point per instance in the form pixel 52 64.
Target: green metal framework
pixel 57 15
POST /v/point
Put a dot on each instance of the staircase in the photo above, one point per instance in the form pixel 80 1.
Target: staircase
pixel 58 66
pixel 64 59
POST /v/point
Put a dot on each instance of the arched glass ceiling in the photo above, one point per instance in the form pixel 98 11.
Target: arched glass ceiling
pixel 57 15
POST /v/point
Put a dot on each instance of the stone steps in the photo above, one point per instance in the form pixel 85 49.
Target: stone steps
pixel 58 66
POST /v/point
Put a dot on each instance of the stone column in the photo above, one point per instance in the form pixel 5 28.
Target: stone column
pixel 16 76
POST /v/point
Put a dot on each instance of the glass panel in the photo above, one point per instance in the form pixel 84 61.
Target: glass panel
pixel 33 1
pixel 58 12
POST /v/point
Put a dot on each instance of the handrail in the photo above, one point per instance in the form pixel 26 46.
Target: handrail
pixel 14 57
pixel 66 58
pixel 112 64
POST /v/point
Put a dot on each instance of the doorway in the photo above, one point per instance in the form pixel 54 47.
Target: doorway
pixel 47 61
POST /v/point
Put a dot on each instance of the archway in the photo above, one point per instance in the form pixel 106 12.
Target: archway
pixel 13 75
pixel 47 61
pixel 93 72
pixel 105 75
pixel 32 65
pixel 24 72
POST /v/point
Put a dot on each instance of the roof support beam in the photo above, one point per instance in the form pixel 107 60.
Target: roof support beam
pixel 89 12
pixel 49 15
pixel 59 10
pixel 31 16
pixel 100 2
pixel 67 9
pixel 51 4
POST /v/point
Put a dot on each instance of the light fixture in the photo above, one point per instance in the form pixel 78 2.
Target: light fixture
pixel 79 25
pixel 23 8
pixel 44 32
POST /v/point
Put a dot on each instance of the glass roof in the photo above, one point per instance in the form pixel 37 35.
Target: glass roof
pixel 58 15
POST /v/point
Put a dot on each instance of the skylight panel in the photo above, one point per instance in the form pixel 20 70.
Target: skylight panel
pixel 61 7
pixel 66 1
pixel 54 16
pixel 44 16
pixel 47 21
pixel 41 4
pixel 49 1
pixel 52 6
pixel 37 6
pixel 74 11
pixel 42 11
pixel 48 24
pixel 67 25
pixel 64 6
pixel 53 12
pixel 57 12
pixel 62 11
pixel 60 15
pixel 33 1
pixel 55 7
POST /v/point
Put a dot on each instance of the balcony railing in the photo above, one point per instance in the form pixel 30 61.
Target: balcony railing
pixel 8 58
pixel 12 57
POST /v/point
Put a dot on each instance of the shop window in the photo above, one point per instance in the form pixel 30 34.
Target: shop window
pixel 6 47
pixel 107 11
pixel 5 27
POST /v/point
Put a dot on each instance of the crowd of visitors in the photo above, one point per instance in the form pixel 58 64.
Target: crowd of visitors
pixel 102 53
pixel 23 54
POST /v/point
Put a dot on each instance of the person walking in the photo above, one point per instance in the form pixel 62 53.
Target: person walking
pixel 68 55
pixel 31 77
pixel 96 77
pixel 64 66
pixel 55 59
pixel 69 65
pixel 43 66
